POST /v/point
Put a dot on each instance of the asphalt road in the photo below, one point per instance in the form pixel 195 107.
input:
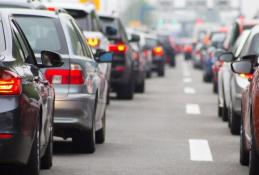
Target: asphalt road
pixel 173 129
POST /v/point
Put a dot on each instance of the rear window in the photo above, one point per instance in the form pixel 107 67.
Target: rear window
pixel 150 43
pixel 106 21
pixel 81 18
pixel 2 38
pixel 43 33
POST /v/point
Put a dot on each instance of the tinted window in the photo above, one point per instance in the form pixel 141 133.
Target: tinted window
pixel 255 46
pixel 43 33
pixel 17 50
pixel 2 38
pixel 81 18
pixel 241 42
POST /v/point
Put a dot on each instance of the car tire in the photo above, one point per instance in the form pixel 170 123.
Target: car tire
pixel 220 109
pixel 141 87
pixel 172 62
pixel 225 113
pixel 149 74
pixel 33 165
pixel 244 154
pixel 46 160
pixel 161 72
pixel 206 78
pixel 108 98
pixel 234 122
pixel 254 160
pixel 215 88
pixel 100 134
pixel 126 92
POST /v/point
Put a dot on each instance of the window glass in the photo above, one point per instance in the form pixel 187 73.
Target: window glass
pixel 17 50
pixel 239 45
pixel 43 33
pixel 2 39
pixel 255 46
pixel 81 18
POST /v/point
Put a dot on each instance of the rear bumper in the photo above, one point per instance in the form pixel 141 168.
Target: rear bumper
pixel 74 112
pixel 158 63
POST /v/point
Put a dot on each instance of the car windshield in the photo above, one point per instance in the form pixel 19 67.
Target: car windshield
pixel 43 33
pixel 2 38
pixel 81 17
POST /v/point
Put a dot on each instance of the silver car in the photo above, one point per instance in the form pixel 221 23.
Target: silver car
pixel 80 86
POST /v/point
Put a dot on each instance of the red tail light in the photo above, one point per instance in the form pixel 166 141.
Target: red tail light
pixel 6 136
pixel 53 9
pixel 119 68
pixel 158 51
pixel 10 83
pixel 247 76
pixel 118 48
pixel 73 76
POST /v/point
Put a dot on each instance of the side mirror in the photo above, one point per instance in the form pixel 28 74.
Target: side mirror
pixel 250 57
pixel 111 31
pixel 219 52
pixel 102 56
pixel 227 57
pixel 242 67
pixel 50 59
pixel 134 38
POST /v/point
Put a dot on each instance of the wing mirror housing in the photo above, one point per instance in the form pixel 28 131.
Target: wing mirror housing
pixel 111 31
pixel 134 38
pixel 103 56
pixel 50 59
pixel 242 67
pixel 227 57
pixel 219 52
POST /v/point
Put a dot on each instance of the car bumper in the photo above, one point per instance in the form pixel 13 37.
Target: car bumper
pixel 74 111
pixel 158 63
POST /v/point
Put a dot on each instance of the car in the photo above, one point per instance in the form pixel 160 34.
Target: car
pixel 158 56
pixel 139 62
pixel 122 74
pixel 80 104
pixel 88 21
pixel 198 54
pixel 224 73
pixel 27 101
pixel 249 121
pixel 217 39
pixel 165 41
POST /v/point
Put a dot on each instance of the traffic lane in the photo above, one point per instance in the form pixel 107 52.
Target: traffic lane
pixel 151 134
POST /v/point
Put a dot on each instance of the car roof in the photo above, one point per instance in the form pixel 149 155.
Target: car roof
pixel 33 12
pixel 107 15
pixel 74 6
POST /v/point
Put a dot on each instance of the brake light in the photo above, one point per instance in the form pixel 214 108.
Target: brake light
pixel 10 83
pixel 158 51
pixel 247 76
pixel 118 48
pixel 53 9
pixel 93 42
pixel 6 136
pixel 74 76
pixel 119 68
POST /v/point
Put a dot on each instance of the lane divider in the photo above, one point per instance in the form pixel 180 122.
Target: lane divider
pixel 193 109
pixel 200 150
pixel 187 80
pixel 189 90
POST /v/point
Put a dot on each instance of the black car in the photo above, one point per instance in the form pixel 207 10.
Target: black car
pixel 165 42
pixel 122 74
pixel 27 101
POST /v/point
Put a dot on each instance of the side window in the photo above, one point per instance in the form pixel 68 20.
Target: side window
pixel 77 46
pixel 95 21
pixel 86 48
pixel 17 50
pixel 123 32
pixel 24 44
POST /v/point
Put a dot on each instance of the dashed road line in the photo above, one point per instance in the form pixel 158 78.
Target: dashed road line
pixel 189 90
pixel 187 80
pixel 200 150
pixel 193 109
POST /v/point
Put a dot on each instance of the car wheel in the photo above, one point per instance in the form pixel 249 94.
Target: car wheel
pixel 244 154
pixel 126 92
pixel 84 141
pixel 220 109
pixel 161 72
pixel 215 88
pixel 100 134
pixel 225 113
pixel 108 98
pixel 33 165
pixel 149 74
pixel 234 121
pixel 46 161
pixel 254 160
pixel 141 87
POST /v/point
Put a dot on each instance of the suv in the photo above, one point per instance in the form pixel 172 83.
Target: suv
pixel 27 101
pixel 122 75
pixel 80 87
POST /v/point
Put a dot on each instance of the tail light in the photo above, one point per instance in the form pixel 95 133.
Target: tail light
pixel 118 48
pixel 247 76
pixel 74 76
pixel 10 83
pixel 53 9
pixel 119 69
pixel 158 51
pixel 93 42
pixel 6 136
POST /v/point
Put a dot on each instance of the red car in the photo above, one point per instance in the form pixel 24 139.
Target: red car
pixel 249 137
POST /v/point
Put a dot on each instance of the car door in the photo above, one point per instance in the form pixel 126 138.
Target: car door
pixel 43 86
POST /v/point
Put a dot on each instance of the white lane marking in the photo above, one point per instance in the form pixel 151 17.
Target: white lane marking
pixel 200 150
pixel 189 90
pixel 187 80
pixel 186 73
pixel 193 109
